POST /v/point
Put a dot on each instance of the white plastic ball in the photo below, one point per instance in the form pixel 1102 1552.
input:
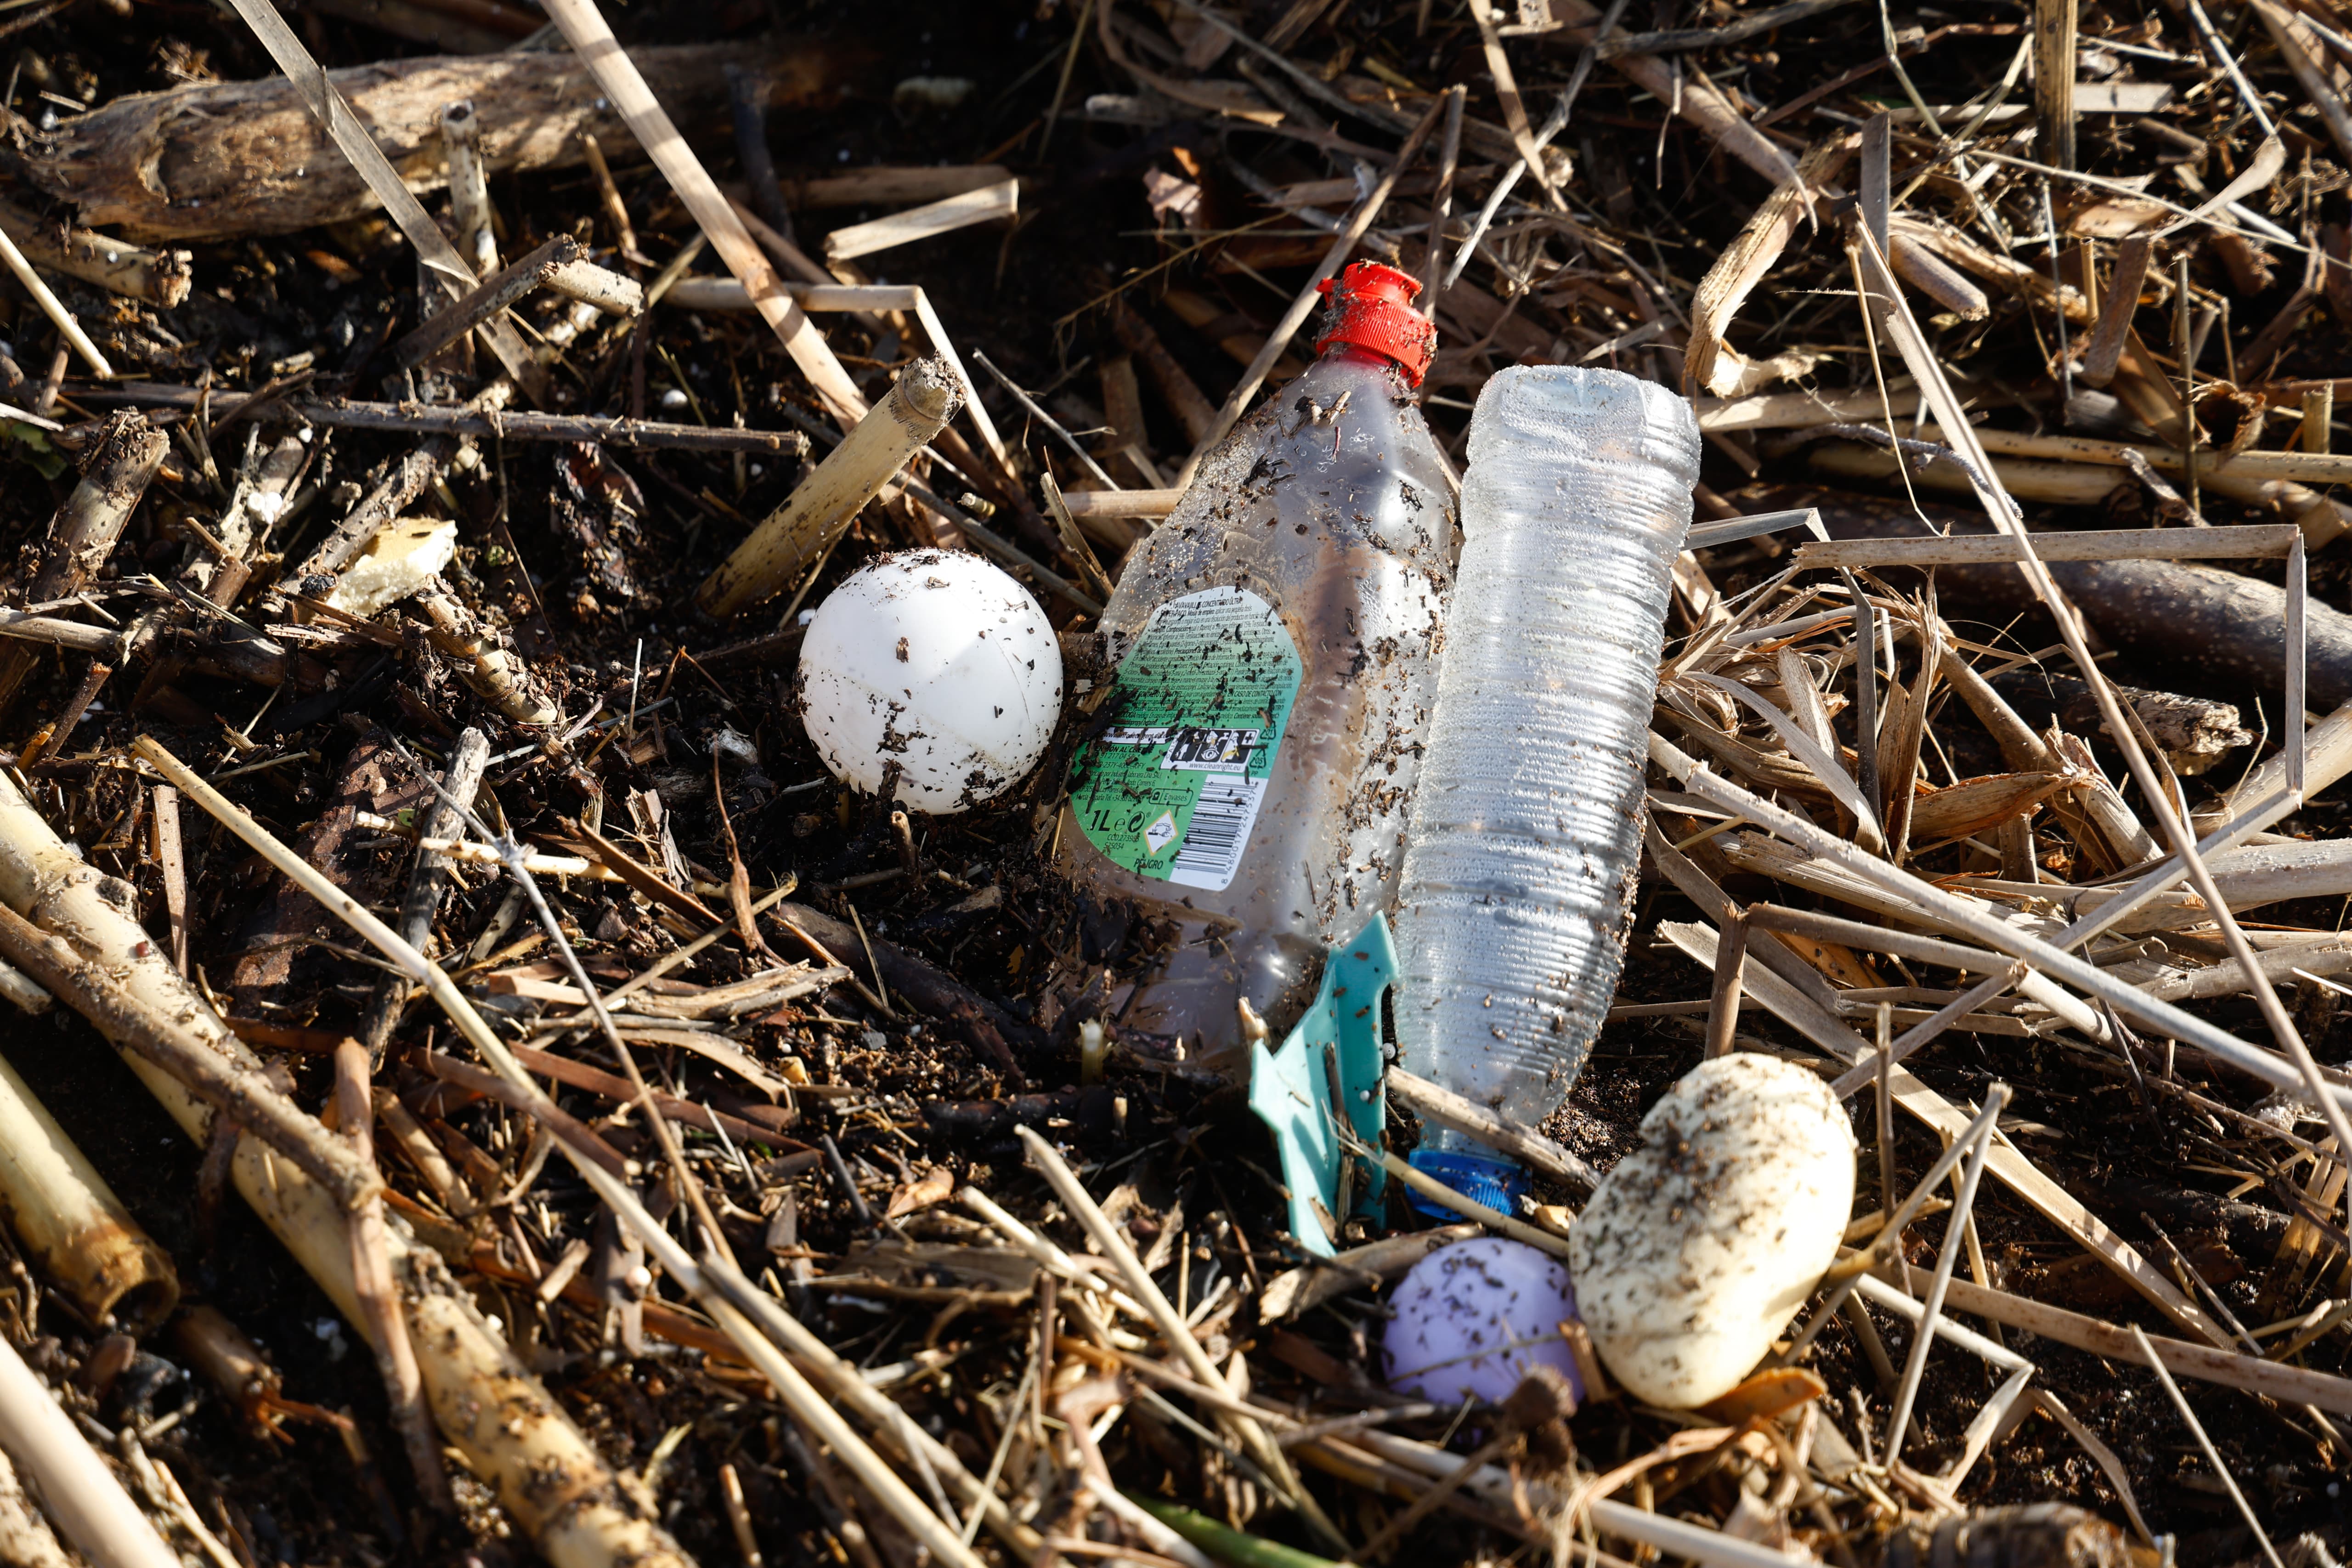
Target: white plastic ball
pixel 933 677
pixel 1472 1319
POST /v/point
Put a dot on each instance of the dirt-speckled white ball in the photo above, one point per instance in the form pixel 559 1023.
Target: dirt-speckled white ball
pixel 1472 1318
pixel 1701 1245
pixel 932 676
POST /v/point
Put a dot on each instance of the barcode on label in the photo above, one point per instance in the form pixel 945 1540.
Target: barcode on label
pixel 1218 833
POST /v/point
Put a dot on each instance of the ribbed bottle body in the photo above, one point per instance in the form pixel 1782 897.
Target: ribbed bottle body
pixel 1526 824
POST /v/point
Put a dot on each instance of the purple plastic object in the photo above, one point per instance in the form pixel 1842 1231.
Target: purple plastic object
pixel 1473 1318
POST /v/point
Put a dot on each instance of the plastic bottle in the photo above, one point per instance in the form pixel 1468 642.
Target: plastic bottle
pixel 1526 831
pixel 1247 775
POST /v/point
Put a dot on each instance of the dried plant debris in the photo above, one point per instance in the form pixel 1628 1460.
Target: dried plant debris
pixel 663 1151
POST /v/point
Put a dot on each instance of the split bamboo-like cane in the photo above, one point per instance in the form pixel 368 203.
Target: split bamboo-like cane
pixel 495 673
pixel 815 514
pixel 509 1432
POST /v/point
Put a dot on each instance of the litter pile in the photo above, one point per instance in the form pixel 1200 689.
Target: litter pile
pixel 1250 783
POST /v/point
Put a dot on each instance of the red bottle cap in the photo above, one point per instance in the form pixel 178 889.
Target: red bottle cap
pixel 1372 307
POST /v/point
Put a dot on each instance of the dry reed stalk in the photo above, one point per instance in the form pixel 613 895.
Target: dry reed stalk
pixel 71 1224
pixel 77 1489
pixel 511 1434
pixel 720 1288
pixel 592 39
pixel 920 404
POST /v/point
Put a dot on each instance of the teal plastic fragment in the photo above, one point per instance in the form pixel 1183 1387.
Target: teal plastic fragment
pixel 1334 1051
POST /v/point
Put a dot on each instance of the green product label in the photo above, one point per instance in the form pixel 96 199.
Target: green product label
pixel 1197 709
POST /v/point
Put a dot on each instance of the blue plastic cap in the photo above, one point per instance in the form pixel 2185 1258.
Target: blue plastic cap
pixel 1497 1184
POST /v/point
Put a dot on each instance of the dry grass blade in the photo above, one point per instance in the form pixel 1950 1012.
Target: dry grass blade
pixel 806 1405
pixel 583 25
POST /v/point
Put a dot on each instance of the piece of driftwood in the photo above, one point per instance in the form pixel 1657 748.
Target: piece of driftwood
pixel 118 468
pixel 2193 732
pixel 158 277
pixel 233 159
pixel 2211 630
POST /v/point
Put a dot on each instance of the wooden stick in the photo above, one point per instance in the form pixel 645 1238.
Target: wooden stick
pixel 1955 1227
pixel 159 276
pixel 487 299
pixel 747 98
pixel 1121 504
pixel 2104 352
pixel 888 186
pixel 60 729
pixel 612 292
pixel 1470 1208
pixel 379 1294
pixel 2054 23
pixel 2265 541
pixel 592 41
pixel 2253 1374
pixel 2197 1427
pixel 822 506
pixel 2315 434
pixel 52 306
pixel 512 425
pixel 2303 467
pixel 1289 1294
pixel 1440 207
pixel 18 627
pixel 616 212
pixel 427 883
pixel 403 483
